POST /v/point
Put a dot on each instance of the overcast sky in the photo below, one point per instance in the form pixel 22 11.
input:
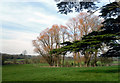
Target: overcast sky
pixel 22 21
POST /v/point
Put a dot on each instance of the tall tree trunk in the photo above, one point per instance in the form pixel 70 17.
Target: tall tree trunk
pixel 57 63
pixel 95 61
pixel 51 60
pixel 75 54
pixel 79 59
pixel 14 61
pixel 88 62
pixel 87 59
pixel 63 60
pixel 58 59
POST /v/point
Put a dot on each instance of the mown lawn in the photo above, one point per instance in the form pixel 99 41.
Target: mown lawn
pixel 0 73
pixel 30 72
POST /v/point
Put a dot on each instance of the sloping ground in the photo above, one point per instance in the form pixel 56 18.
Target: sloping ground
pixel 30 72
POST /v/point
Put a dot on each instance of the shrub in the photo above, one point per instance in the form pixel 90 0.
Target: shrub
pixel 99 63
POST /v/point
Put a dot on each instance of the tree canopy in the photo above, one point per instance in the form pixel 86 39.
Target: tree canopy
pixel 110 32
pixel 65 7
pixel 84 34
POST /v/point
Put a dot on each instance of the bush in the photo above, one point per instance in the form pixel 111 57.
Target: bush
pixel 82 63
pixel 8 62
pixel 106 60
pixel 99 63
pixel 67 64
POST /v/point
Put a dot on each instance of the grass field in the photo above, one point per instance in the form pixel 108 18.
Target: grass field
pixel 30 72
pixel 0 73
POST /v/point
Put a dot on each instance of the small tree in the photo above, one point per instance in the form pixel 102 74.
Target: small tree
pixel 25 56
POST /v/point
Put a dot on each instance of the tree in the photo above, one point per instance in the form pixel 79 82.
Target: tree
pixel 67 7
pixel 3 58
pixel 112 26
pixel 25 57
pixel 78 27
pixel 24 52
pixel 43 45
pixel 81 25
pixel 108 34
pixel 85 33
pixel 64 36
pixel 48 40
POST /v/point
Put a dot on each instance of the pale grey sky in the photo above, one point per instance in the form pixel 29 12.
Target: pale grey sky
pixel 21 21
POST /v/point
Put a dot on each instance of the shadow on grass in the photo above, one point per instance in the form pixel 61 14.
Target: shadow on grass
pixel 100 71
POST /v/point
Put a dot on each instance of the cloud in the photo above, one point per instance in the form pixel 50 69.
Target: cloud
pixel 19 14
pixel 21 23
pixel 18 35
pixel 31 16
pixel 46 19
pixel 23 20
pixel 45 1
pixel 18 41
pixel 16 47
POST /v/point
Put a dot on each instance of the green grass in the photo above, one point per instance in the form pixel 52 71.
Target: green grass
pixel 0 73
pixel 30 72
pixel 116 62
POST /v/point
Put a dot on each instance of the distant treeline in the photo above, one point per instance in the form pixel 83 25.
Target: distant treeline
pixel 17 56
pixel 23 59
pixel 8 57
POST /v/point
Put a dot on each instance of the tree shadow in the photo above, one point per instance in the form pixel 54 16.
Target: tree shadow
pixel 100 71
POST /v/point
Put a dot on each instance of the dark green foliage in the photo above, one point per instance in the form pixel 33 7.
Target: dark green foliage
pixel 112 25
pixel 111 13
pixel 110 32
pixel 66 7
pixel 15 59
pixel 115 51
pixel 109 10
pixel 105 60
pixel 3 60
pixel 66 43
